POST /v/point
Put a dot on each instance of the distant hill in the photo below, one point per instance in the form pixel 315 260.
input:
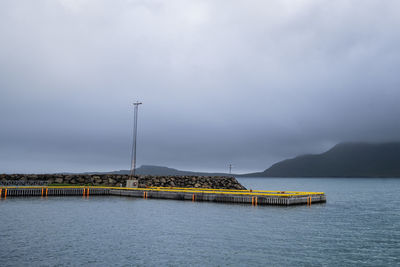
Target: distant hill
pixel 159 170
pixel 343 160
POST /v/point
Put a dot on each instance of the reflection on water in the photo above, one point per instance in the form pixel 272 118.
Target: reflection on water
pixel 360 224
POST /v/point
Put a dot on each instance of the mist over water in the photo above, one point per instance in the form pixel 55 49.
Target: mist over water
pixel 359 225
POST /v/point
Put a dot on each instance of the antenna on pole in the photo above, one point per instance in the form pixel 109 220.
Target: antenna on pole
pixel 133 154
pixel 230 168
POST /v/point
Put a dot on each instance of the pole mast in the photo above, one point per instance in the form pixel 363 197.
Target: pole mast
pixel 133 154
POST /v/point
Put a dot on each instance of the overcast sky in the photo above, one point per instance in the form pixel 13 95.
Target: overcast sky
pixel 242 82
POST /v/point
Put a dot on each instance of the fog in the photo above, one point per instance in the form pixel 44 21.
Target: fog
pixel 242 82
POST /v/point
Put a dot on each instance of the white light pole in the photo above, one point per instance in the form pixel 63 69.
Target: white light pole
pixel 133 154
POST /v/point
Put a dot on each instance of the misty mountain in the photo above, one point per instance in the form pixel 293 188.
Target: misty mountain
pixel 343 160
pixel 160 170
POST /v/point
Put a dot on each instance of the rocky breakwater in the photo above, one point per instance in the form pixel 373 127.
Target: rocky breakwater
pixel 215 182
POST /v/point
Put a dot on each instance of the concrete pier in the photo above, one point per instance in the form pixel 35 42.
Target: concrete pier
pixel 253 197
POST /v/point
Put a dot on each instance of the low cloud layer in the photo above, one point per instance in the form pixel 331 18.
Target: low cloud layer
pixel 241 82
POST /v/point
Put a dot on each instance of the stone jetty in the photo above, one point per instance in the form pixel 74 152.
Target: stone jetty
pixel 191 188
pixel 214 182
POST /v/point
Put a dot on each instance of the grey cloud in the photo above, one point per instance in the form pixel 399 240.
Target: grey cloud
pixel 247 83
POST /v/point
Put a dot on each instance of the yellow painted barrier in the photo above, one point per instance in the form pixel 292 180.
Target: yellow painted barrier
pixel 235 190
pixel 191 190
pixel 176 189
pixel 240 191
pixel 223 193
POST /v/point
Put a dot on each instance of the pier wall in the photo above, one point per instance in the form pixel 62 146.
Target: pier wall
pixel 217 182
pixel 224 198
pixel 192 194
pixel 52 191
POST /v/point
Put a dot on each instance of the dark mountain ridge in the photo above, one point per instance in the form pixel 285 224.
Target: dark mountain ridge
pixel 343 160
pixel 160 170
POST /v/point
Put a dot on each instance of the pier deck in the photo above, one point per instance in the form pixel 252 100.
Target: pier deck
pixel 253 197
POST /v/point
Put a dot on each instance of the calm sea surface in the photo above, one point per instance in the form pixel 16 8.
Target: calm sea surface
pixel 359 225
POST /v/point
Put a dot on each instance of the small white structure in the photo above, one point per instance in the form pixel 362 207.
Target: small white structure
pixel 133 183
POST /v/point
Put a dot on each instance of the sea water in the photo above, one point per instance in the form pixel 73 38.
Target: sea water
pixel 359 225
